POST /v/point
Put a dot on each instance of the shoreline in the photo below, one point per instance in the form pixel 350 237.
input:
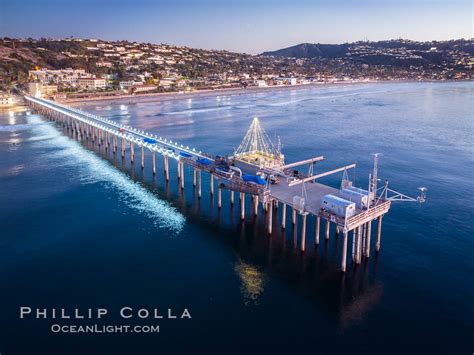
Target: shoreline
pixel 175 95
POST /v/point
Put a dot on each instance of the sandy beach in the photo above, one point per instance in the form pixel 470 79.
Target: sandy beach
pixel 203 93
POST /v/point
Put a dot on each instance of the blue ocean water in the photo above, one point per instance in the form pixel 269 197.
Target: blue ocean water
pixel 84 229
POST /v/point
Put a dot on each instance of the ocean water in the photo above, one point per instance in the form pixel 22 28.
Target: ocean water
pixel 83 229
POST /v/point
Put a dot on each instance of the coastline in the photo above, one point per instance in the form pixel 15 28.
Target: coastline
pixel 175 95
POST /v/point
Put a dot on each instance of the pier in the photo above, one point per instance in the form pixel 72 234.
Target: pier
pixel 256 168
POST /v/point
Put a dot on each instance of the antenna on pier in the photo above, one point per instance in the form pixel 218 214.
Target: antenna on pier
pixel 373 184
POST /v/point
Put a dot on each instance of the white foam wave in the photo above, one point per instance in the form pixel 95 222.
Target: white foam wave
pixel 93 169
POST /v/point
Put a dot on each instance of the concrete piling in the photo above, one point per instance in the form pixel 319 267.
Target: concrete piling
pixel 283 216
pixel 379 233
pixel 344 253
pixel 318 225
pixel 303 232
pixel 153 162
pixel 367 241
pixel 199 184
pixel 328 226
pixel 270 219
pixel 166 167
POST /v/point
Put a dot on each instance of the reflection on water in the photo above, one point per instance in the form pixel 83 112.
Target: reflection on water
pixel 253 282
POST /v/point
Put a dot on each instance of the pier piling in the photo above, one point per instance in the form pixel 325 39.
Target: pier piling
pixel 199 184
pixel 270 219
pixel 318 225
pixel 344 253
pixel 283 216
pixel 166 167
pixel 367 241
pixel 303 232
pixel 379 233
pixel 242 206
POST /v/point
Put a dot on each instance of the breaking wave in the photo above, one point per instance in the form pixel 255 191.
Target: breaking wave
pixel 93 169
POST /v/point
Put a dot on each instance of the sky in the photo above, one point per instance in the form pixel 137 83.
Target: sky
pixel 250 26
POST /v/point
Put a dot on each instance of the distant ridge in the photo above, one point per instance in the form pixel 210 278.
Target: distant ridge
pixel 310 50
pixel 331 51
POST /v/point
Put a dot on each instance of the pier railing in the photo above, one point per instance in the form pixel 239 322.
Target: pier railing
pixel 367 215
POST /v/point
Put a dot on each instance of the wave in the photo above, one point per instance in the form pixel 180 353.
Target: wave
pixel 198 110
pixel 93 169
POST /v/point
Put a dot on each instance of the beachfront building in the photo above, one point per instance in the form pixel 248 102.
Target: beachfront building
pixel 91 83
pixel 125 85
pixel 69 76
pixel 167 82
pixel 42 90
pixel 139 89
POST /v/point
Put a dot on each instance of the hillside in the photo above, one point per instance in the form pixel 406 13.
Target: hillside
pixel 192 68
pixel 401 53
